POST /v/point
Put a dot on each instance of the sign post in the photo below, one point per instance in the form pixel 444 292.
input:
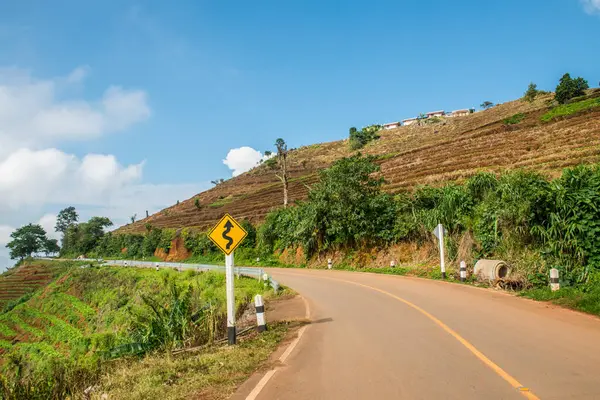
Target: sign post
pixel 227 234
pixel 439 233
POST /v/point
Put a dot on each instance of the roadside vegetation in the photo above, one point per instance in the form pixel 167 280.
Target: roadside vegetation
pixel 71 334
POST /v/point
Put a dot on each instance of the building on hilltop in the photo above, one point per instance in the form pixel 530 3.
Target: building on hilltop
pixel 409 121
pixel 435 114
pixel 391 125
pixel 461 113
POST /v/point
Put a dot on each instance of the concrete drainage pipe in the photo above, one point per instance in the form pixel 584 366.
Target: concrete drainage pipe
pixel 492 269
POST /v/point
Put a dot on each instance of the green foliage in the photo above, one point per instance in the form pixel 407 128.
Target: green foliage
pixel 96 313
pixel 82 238
pixel 569 109
pixel 250 240
pixel 29 239
pixel 515 119
pixel 531 92
pixel 571 224
pixel 65 218
pixel 346 208
pixel 197 203
pixel 569 88
pixel 359 139
pixel 486 104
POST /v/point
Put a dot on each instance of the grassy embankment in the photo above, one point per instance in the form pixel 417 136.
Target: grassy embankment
pixel 120 329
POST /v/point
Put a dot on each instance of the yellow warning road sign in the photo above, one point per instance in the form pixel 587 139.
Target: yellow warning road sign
pixel 227 234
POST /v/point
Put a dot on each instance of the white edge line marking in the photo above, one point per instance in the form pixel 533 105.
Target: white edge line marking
pixel 265 379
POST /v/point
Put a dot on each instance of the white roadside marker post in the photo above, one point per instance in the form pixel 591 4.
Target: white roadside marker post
pixel 392 264
pixel 229 284
pixel 440 228
pixel 554 284
pixel 463 271
pixel 261 324
pixel 329 263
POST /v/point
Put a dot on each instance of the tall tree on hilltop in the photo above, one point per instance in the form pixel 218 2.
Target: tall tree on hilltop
pixel 531 92
pixel 65 218
pixel 282 161
pixel 29 239
pixel 568 88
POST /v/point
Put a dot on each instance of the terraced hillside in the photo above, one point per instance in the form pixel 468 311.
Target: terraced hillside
pixel 409 156
pixel 25 279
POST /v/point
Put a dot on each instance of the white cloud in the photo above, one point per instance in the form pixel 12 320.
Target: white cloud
pixel 48 222
pixel 78 74
pixel 34 115
pixel 37 178
pixel 591 6
pixel 243 159
pixel 5 231
pixel 50 176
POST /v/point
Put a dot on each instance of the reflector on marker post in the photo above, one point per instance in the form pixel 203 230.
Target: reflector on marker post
pixel 554 283
pixel 463 271
pixel 261 324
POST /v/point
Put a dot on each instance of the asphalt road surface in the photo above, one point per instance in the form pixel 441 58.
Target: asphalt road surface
pixel 387 337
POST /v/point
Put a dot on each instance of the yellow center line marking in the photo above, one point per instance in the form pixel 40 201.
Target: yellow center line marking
pixel 503 374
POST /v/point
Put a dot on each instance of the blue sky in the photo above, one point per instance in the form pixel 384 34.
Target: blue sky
pixel 192 80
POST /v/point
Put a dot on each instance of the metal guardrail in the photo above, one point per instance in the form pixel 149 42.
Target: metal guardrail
pixel 257 273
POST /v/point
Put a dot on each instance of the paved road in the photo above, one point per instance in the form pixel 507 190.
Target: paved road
pixel 387 337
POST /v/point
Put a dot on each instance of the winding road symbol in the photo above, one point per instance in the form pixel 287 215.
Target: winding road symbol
pixel 228 226
pixel 227 234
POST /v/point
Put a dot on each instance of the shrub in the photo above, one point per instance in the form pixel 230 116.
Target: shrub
pixel 359 139
pixel 515 119
pixel 569 109
pixel 531 92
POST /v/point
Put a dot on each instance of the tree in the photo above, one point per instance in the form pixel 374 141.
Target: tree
pixel 66 218
pixel 359 139
pixel 197 203
pixel 282 152
pixel 268 153
pixel 51 246
pixel 84 237
pixel 486 104
pixel 134 216
pixel 27 240
pixel 345 208
pixel 531 92
pixel 568 88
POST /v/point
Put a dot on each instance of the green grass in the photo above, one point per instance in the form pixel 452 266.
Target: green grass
pixel 577 299
pixel 222 202
pixel 513 120
pixel 76 321
pixel 569 109
pixel 214 373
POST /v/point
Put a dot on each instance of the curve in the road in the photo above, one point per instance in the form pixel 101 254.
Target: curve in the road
pixel 497 369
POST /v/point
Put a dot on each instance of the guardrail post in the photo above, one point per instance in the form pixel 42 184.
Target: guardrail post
pixel 261 324
pixel 554 284
pixel 463 271
pixel 274 285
